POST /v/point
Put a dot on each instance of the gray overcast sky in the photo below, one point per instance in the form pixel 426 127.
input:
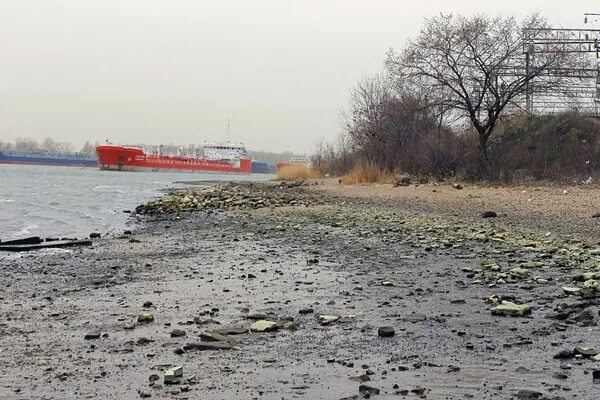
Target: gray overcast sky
pixel 160 71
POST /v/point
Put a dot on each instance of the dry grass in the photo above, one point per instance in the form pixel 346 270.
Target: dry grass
pixel 367 173
pixel 295 171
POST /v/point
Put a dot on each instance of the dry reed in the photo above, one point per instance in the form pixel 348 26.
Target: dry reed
pixel 295 171
pixel 366 174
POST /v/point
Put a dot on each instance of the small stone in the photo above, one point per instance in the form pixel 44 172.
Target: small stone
pixel 129 326
pixel 327 319
pixel 526 394
pixel 143 341
pixel 489 214
pixel 306 311
pixel 564 355
pixel 414 317
pixel 145 317
pixel 264 326
pixel 457 186
pixel 144 394
pixel 290 326
pixel 147 304
pixel 94 235
pixel 586 352
pixel 560 375
pixel 519 273
pixel 571 290
pixel 386 331
pixel 202 346
pixel 367 390
pixel 173 375
pixel 92 335
pixel 177 333
pixel 360 378
pixel 511 309
pixel 210 336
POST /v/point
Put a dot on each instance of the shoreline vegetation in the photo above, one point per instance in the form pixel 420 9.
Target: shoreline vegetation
pixel 461 101
pixel 341 291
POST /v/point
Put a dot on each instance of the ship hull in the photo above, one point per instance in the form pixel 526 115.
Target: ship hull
pixel 119 158
pixel 47 161
pixel 259 167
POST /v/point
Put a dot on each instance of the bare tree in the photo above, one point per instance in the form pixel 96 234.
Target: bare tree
pixel 88 148
pixel 478 66
pixel 26 145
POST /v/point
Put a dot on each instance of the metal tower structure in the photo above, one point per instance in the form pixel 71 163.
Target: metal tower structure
pixel 575 87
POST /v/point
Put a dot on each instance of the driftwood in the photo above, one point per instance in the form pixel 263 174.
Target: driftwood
pixel 37 243
pixel 29 240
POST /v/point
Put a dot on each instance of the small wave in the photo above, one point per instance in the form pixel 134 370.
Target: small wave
pixel 26 230
pixel 107 189
pixel 7 201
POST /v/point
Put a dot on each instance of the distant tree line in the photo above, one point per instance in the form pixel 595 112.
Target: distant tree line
pixel 450 103
pixel 51 146
pixel 47 146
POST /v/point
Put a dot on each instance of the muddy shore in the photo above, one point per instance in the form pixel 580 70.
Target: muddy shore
pixel 482 308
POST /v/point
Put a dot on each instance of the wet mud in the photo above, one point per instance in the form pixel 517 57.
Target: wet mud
pixel 69 319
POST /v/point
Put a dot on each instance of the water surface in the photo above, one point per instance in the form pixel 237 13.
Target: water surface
pixel 70 201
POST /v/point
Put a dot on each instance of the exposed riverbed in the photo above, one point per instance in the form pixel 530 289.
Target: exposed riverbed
pixel 339 268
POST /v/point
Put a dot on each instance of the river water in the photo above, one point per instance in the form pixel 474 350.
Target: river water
pixel 72 202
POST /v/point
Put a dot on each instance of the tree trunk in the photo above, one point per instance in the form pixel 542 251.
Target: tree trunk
pixel 486 167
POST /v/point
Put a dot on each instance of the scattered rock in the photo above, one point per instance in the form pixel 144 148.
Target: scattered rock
pixel 173 375
pixel 489 214
pixel 564 355
pixel 386 331
pixel 94 235
pixel 457 186
pixel 203 346
pixel 145 317
pixel 92 335
pixel 177 333
pixel 230 331
pixel 519 273
pixel 367 390
pixel 511 309
pixel 209 336
pixel 414 317
pixel 327 319
pixel 143 341
pixel 290 326
pixel 306 311
pixel 526 394
pixel 360 378
pixel 264 326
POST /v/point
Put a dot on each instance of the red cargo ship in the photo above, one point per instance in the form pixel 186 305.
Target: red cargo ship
pixel 121 158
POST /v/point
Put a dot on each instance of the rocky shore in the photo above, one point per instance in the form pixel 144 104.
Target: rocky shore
pixel 283 291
